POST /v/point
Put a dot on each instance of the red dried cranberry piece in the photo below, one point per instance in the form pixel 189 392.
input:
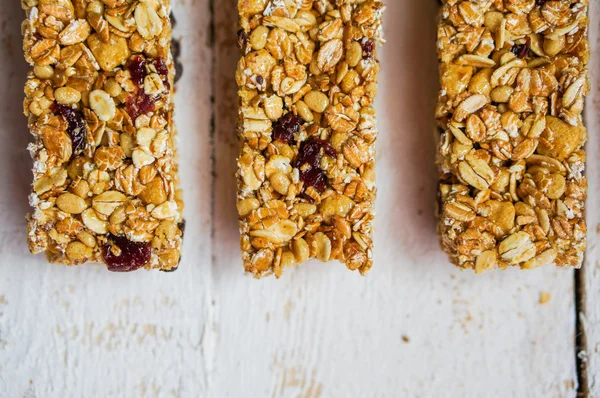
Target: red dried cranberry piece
pixel 314 177
pixel 368 47
pixel 308 162
pixel 161 67
pixel 76 125
pixel 139 104
pixel 134 255
pixel 137 69
pixel 328 148
pixel 162 70
pixel 521 50
pixel 285 128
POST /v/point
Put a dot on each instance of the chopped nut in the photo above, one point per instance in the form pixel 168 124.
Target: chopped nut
pixel 70 203
pixel 103 104
pixel 544 297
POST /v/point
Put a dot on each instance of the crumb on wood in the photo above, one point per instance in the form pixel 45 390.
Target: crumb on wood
pixel 287 309
pixel 544 297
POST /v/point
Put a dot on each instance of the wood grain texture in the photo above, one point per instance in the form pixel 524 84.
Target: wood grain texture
pixel 324 331
pixel 415 327
pixel 591 310
pixel 84 332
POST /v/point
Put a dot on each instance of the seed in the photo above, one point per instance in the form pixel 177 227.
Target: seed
pixel 141 158
pixel 247 206
pixel 258 37
pixel 107 202
pixel 87 239
pixel 354 54
pixel 280 183
pixel 144 136
pixel 147 21
pixel 301 250
pixel 165 210
pixel 103 104
pixel 304 111
pixel 81 188
pixel 93 223
pixel 113 88
pixel 288 259
pixel 71 203
pixel 322 246
pixel 78 253
pixel 43 71
pixel 316 101
pixel 67 95
pixel 119 216
pixel 154 192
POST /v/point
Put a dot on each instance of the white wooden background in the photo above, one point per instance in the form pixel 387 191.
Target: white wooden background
pixel 415 327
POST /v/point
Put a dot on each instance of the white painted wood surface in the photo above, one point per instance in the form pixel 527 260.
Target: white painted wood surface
pixel 415 327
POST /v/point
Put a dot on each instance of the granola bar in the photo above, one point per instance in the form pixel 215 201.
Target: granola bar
pixel 99 105
pixel 306 171
pixel 513 83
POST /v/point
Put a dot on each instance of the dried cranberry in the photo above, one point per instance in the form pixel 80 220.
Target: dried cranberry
pixel 285 128
pixel 314 177
pixel 139 104
pixel 368 48
pixel 137 69
pixel 309 161
pixel 521 50
pixel 243 39
pixel 134 255
pixel 162 70
pixel 161 67
pixel 76 125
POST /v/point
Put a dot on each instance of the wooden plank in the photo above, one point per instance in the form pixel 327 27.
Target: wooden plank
pixel 415 326
pixel 590 313
pixel 84 331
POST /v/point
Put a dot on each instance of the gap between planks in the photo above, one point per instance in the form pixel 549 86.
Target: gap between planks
pixel 581 346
